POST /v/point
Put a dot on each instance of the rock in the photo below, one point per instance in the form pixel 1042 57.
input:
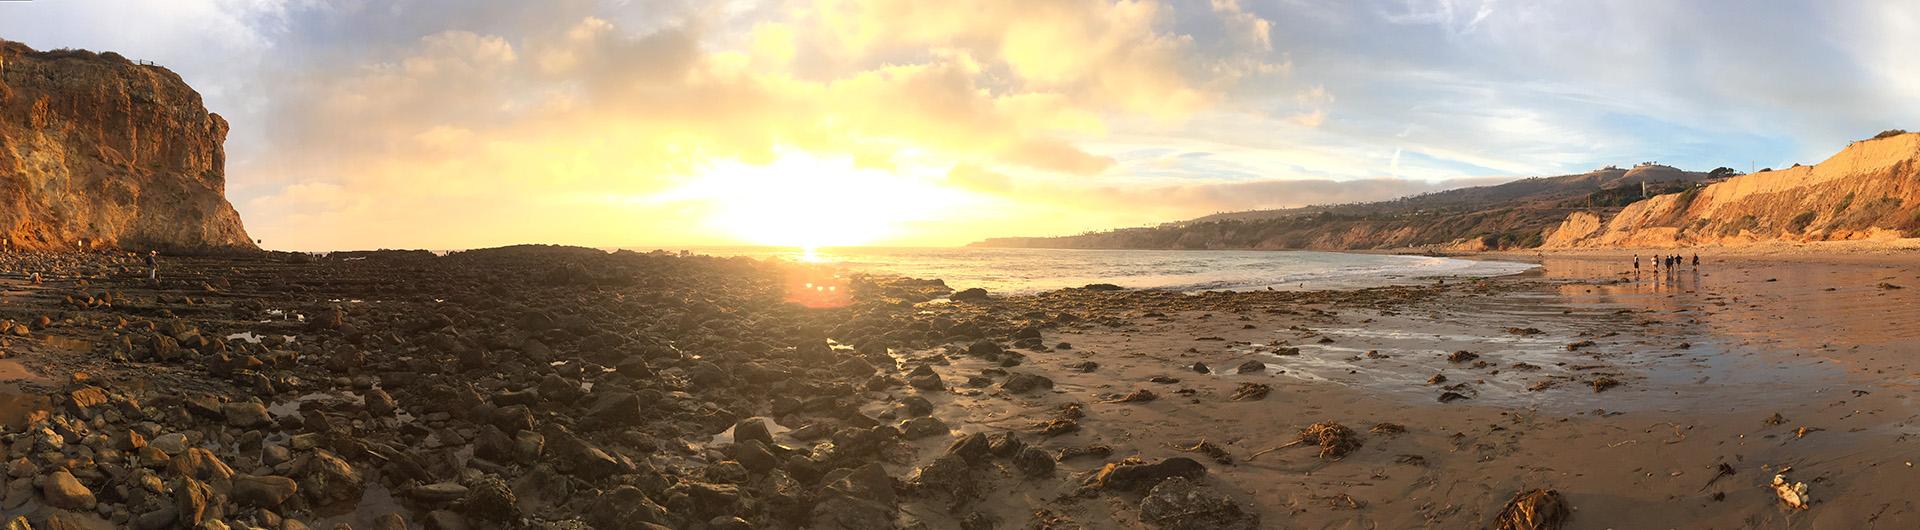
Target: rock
pixel 438 492
pixel 1178 503
pixel 1201 367
pixel 1141 477
pixel 192 502
pixel 328 479
pixel 752 429
pixel 923 427
pixel 755 456
pixel 974 447
pixel 985 349
pixel 1034 462
pixel 973 294
pixel 61 490
pixel 171 444
pixel 246 414
pixel 948 475
pixel 929 381
pixel 262 491
pixel 489 498
pixel 1251 366
pixel 380 404
pixel 1021 383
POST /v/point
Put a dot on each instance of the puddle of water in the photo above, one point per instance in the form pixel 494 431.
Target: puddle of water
pixel 19 409
pixel 376 501
pixel 66 343
pixel 255 338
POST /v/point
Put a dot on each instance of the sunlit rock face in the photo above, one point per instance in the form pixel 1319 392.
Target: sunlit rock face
pixel 99 151
pixel 1870 190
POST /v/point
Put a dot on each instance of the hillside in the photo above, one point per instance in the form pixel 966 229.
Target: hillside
pixel 99 151
pixel 1511 215
pixel 1870 190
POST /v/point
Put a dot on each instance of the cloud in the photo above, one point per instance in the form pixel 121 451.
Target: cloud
pixel 542 119
pixel 449 124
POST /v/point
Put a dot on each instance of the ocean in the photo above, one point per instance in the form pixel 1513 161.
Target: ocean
pixel 1033 270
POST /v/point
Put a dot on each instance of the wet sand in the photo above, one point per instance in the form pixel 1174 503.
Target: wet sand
pixel 1703 359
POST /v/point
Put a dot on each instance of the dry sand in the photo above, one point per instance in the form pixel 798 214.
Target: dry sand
pixel 1702 359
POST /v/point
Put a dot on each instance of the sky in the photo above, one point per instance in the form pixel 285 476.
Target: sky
pixel 634 123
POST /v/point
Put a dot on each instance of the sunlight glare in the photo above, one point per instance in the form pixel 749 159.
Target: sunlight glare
pixel 808 201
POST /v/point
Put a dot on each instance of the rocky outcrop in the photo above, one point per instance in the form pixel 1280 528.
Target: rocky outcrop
pixel 1870 190
pixel 99 151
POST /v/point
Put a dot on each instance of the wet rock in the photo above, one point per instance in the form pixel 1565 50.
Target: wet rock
pixel 438 492
pixel 1178 503
pixel 1462 356
pixel 1142 476
pixel 489 498
pixel 246 414
pixel 193 502
pixel 380 404
pixel 60 490
pixel 1201 367
pixel 625 507
pixel 1021 383
pixel 327 479
pixel 948 475
pixel 1251 366
pixel 915 406
pixel 1033 462
pixel 755 456
pixel 985 349
pixel 263 491
pixel 928 381
pixel 923 427
pixel 752 429
pixel 974 447
pixel 973 294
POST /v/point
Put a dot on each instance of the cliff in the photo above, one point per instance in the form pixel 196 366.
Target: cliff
pixel 1870 190
pixel 99 151
pixel 1516 214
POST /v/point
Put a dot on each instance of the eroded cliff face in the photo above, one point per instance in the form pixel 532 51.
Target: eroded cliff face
pixel 1870 190
pixel 96 150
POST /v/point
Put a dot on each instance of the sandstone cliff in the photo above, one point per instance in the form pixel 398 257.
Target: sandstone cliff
pixel 96 150
pixel 1870 190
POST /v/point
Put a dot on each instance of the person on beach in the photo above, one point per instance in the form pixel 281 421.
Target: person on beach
pixel 1636 263
pixel 1696 261
pixel 153 265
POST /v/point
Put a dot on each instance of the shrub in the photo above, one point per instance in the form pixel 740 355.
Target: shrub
pixel 1889 133
pixel 1800 222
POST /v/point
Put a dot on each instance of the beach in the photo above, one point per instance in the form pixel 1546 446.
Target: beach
pixel 555 387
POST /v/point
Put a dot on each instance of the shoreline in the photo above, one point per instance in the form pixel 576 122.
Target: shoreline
pixel 543 385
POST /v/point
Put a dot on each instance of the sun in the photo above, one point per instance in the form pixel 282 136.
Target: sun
pixel 809 201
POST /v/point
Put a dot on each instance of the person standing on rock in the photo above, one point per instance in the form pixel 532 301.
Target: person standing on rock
pixel 153 265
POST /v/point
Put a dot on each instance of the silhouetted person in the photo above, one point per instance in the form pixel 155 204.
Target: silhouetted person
pixel 1696 261
pixel 153 265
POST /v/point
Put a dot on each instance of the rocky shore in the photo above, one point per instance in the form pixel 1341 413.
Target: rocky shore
pixel 525 387
pixel 568 388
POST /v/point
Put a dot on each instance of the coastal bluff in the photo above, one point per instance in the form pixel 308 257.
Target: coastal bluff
pixel 98 151
pixel 1868 191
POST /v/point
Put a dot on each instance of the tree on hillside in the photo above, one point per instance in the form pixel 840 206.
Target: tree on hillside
pixel 1722 172
pixel 1889 133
